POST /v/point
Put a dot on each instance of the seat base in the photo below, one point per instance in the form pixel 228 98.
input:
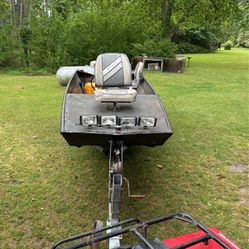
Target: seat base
pixel 118 95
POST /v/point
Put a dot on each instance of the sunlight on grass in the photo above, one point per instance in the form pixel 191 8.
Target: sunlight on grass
pixel 49 190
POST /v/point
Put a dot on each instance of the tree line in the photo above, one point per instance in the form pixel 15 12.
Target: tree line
pixel 51 33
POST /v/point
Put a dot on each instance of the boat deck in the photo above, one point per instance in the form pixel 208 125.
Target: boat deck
pixel 76 105
pixel 146 105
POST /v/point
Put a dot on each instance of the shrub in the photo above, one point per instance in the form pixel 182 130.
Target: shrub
pixel 188 48
pixel 47 42
pixel 243 39
pixel 228 45
pixel 203 37
pixel 161 48
pixel 102 31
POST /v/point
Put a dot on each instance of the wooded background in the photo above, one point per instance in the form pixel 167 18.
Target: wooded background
pixel 51 33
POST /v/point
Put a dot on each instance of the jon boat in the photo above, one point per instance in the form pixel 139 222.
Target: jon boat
pixel 125 107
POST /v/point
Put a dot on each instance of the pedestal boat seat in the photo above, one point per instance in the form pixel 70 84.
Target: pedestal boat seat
pixel 113 79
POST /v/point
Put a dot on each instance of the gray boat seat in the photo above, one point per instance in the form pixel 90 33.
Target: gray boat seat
pixel 138 74
pixel 113 79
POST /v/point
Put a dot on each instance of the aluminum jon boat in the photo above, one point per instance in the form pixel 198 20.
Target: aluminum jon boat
pixel 125 107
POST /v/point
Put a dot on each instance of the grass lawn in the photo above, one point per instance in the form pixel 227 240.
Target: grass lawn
pixel 49 190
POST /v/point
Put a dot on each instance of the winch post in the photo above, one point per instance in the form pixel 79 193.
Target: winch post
pixel 115 187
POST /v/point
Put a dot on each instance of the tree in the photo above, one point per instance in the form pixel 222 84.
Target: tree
pixel 49 33
pixel 176 14
pixel 25 34
pixel 105 28
pixel 4 11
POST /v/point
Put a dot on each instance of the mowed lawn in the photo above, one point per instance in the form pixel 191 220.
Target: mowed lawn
pixel 49 190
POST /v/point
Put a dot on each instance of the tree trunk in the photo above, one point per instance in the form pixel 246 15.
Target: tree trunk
pixel 21 13
pixel 167 11
pixel 13 10
pixel 30 11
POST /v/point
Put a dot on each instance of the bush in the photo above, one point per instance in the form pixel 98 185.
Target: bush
pixel 162 48
pixel 100 30
pixel 188 48
pixel 243 39
pixel 203 37
pixel 228 45
pixel 47 42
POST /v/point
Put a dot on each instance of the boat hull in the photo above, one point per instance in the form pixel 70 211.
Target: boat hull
pixel 147 104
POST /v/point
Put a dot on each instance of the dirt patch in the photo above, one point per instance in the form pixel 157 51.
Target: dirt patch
pixel 244 195
pixel 237 168
pixel 20 87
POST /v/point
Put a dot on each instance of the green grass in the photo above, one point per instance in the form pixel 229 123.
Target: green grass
pixel 49 190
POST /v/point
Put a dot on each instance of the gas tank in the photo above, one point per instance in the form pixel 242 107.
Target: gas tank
pixel 64 74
